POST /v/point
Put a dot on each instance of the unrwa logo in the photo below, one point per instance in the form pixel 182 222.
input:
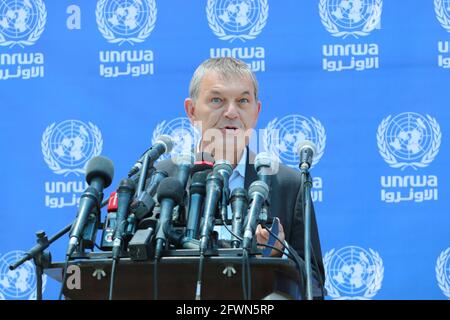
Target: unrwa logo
pixel 442 10
pixel 122 21
pixel 69 145
pixel 353 273
pixel 284 136
pixel 21 22
pixel 184 135
pixel 342 18
pixel 237 19
pixel 21 282
pixel 409 140
pixel 443 272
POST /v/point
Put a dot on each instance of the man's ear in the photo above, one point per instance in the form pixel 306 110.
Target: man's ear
pixel 189 108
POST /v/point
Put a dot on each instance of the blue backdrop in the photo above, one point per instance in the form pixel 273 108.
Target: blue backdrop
pixel 364 79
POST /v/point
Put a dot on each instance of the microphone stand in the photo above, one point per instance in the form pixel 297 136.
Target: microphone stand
pixel 40 258
pixel 307 185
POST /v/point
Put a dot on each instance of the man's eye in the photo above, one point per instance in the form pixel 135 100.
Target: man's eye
pixel 216 100
pixel 244 100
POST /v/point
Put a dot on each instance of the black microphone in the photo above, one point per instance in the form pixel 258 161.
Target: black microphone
pixel 214 186
pixel 124 194
pixel 163 144
pixel 224 169
pixel 99 174
pixel 143 204
pixel 170 193
pixel 306 150
pixel 258 192
pixel 197 192
pixel 184 163
pixel 266 166
pixel 203 161
pixel 239 207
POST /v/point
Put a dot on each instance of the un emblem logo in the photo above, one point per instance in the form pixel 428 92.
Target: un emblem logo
pixel 283 137
pixel 69 145
pixel 122 21
pixel 409 140
pixel 237 19
pixel 442 9
pixel 21 22
pixel 342 18
pixel 352 273
pixel 443 272
pixel 184 135
pixel 21 282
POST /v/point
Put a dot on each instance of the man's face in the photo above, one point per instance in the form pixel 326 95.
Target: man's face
pixel 228 105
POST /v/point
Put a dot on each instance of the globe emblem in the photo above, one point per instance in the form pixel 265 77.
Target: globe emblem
pixel 21 282
pixel 126 18
pixel 350 14
pixel 286 134
pixel 183 134
pixel 21 22
pixel 446 5
pixel 72 144
pixel 443 271
pixel 409 136
pixel 237 16
pixel 352 270
pixel 17 18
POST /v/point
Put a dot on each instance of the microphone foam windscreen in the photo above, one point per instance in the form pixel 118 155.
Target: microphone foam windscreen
pixel 100 167
pixel 170 188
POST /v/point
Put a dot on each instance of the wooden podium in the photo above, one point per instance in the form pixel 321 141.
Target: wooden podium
pixel 271 278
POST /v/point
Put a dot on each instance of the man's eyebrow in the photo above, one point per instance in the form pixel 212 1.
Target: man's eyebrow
pixel 245 92
pixel 215 92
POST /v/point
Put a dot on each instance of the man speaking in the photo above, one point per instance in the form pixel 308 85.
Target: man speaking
pixel 223 105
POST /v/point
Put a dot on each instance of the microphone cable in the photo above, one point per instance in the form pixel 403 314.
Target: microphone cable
pixel 64 279
pixel 155 280
pixel 245 287
pixel 113 275
pixel 198 290
pixel 294 254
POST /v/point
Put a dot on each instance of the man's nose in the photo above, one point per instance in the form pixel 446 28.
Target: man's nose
pixel 231 111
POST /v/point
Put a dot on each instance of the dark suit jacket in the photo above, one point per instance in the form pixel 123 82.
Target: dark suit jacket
pixel 286 202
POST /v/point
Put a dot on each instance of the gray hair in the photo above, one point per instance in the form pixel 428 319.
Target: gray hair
pixel 226 67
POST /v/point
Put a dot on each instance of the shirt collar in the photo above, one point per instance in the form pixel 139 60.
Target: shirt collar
pixel 240 168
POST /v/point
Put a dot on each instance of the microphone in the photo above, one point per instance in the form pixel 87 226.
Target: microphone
pixel 170 193
pixel 306 150
pixel 239 207
pixel 266 166
pixel 144 203
pixel 184 163
pixel 124 194
pixel 203 161
pixel 197 193
pixel 258 192
pixel 99 175
pixel 214 186
pixel 164 144
pixel 224 168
